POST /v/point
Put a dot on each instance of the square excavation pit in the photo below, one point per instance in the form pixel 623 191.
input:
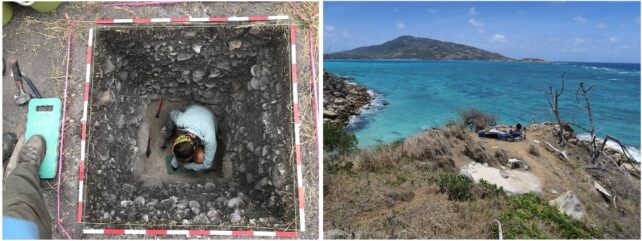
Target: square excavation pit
pixel 242 74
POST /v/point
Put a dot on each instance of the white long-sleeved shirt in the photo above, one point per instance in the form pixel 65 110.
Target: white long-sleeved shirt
pixel 200 121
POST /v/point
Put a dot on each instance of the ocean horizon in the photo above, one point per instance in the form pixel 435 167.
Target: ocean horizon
pixel 422 94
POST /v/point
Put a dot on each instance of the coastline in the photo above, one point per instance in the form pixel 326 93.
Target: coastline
pixel 376 104
pixel 429 85
pixel 346 102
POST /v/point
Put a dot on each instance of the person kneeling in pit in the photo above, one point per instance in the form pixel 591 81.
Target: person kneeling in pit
pixel 195 146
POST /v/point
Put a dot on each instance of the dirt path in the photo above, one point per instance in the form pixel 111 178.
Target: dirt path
pixel 38 41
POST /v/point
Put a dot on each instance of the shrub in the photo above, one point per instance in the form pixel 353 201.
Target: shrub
pixel 530 217
pixel 477 119
pixel 457 187
pixel 486 190
pixel 454 130
pixel 335 138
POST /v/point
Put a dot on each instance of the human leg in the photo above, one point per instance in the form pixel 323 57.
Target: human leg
pixel 22 196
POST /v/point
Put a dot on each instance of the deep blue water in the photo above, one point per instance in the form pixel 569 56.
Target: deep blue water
pixel 424 94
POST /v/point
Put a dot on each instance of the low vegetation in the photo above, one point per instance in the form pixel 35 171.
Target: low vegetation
pixel 457 187
pixel 530 217
pixel 335 138
pixel 477 120
pixel 460 188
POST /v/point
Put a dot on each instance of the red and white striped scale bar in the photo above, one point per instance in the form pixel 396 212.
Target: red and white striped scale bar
pixel 192 19
pixel 83 133
pixel 297 142
pixel 189 233
pixel 297 129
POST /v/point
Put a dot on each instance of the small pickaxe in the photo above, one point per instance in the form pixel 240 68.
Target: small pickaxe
pixel 17 74
pixel 22 97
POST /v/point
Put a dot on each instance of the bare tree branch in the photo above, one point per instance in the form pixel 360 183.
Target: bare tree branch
pixel 561 153
pixel 593 144
pixel 553 103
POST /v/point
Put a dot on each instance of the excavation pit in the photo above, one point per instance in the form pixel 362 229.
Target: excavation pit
pixel 240 73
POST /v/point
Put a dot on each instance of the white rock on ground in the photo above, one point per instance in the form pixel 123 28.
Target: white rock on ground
pixel 601 189
pixel 568 203
pixel 518 182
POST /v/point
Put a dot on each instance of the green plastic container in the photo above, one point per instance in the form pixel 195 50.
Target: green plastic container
pixel 44 7
pixel 44 118
pixel 7 13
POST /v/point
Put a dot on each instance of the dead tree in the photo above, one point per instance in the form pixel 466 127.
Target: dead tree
pixel 582 90
pixel 625 153
pixel 553 100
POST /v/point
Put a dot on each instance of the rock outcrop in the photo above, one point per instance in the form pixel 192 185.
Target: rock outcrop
pixel 342 100
pixel 569 204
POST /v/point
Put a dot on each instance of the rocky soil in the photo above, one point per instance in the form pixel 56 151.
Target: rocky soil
pixel 38 41
pixel 241 74
pixel 342 100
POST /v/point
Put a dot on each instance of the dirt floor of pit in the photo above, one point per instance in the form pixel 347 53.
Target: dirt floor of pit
pixel 152 170
pixel 38 41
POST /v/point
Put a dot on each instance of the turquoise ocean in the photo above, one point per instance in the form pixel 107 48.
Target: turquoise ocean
pixel 424 94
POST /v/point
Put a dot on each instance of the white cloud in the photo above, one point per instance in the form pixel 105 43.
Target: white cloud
pixel 472 11
pixel 578 41
pixel 330 28
pixel 400 25
pixel 433 11
pixel 395 10
pixel 601 25
pixel 579 19
pixel 498 38
pixel 612 39
pixel 346 34
pixel 475 23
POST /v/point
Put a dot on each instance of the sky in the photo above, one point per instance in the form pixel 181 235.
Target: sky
pixel 554 31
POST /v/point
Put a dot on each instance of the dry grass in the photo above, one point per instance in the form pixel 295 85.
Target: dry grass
pixel 432 148
pixel 362 191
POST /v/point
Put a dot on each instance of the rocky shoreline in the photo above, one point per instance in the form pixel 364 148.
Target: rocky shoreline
pixel 341 99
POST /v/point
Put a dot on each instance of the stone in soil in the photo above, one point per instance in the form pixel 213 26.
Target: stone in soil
pixel 135 67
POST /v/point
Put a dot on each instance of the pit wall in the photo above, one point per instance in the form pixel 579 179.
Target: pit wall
pixel 241 74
